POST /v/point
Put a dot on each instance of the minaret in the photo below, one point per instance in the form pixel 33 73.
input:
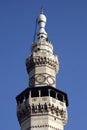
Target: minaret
pixel 42 65
pixel 42 106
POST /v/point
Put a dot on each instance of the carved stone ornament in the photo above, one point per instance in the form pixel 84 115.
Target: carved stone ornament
pixel 32 61
pixel 32 81
pixel 50 80
pixel 27 110
pixel 40 78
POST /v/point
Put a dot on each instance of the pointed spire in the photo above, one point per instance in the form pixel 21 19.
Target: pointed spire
pixel 42 22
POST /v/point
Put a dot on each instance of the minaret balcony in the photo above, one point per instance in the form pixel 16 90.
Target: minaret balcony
pixel 46 100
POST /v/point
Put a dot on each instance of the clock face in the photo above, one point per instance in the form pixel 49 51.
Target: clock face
pixel 50 80
pixel 40 78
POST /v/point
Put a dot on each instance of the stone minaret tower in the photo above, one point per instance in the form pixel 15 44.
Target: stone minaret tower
pixel 42 106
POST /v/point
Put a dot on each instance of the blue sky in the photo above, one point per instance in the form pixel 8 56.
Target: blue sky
pixel 67 30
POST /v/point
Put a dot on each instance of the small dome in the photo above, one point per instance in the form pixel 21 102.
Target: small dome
pixel 42 18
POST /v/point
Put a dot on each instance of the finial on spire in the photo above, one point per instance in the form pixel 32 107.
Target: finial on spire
pixel 41 11
pixel 42 22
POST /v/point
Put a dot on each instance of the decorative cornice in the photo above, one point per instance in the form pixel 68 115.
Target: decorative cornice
pixel 39 60
pixel 43 126
pixel 25 110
